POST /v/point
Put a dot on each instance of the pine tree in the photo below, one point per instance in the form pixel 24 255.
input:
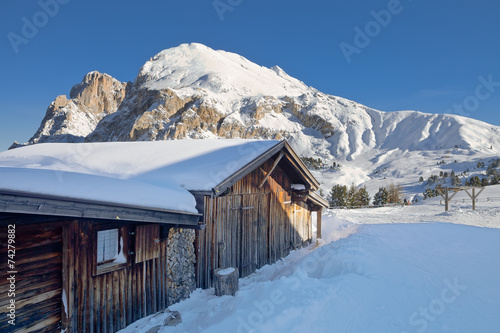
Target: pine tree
pixel 428 193
pixel 484 181
pixel 475 181
pixel 455 181
pixel 381 197
pixel 363 197
pixel 432 179
pixel 352 196
pixel 338 196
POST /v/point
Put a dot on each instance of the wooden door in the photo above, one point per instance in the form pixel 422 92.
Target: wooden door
pixel 262 232
pixel 254 232
pixel 247 244
pixel 228 231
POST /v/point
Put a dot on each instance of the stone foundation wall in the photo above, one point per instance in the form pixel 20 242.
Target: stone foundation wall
pixel 181 261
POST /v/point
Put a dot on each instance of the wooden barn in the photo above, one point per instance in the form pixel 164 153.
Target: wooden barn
pixel 257 215
pixel 107 233
pixel 83 266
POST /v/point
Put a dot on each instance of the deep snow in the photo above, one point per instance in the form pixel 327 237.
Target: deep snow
pixel 148 174
pixel 388 276
pixel 107 190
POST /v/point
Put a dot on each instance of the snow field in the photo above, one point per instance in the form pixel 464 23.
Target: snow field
pixel 387 276
pixel 379 168
pixel 487 213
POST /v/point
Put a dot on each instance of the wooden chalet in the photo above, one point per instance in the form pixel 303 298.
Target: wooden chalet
pixel 83 266
pixel 96 265
pixel 257 215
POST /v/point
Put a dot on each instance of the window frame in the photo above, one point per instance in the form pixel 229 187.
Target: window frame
pixel 110 266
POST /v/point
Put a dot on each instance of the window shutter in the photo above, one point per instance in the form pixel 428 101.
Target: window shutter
pixel 107 245
pixel 147 242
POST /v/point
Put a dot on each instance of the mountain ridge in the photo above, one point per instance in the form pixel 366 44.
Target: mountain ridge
pixel 193 91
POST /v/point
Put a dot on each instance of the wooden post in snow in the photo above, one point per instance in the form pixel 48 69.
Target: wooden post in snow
pixel 447 198
pixel 318 224
pixel 446 201
pixel 474 195
pixel 473 199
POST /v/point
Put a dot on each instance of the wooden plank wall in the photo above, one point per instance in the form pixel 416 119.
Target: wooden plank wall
pixel 108 302
pixel 147 245
pixel 302 224
pixel 38 259
pixel 251 227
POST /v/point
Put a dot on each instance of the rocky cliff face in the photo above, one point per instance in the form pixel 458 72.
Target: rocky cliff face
pixel 97 96
pixel 163 115
pixel 192 91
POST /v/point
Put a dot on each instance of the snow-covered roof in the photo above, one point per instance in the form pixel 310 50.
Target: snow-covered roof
pixel 87 187
pixel 148 174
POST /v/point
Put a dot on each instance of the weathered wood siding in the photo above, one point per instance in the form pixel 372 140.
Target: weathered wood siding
pixel 147 242
pixel 110 301
pixel 251 226
pixel 38 284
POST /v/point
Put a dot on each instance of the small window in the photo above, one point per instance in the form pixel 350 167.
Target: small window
pixel 107 246
pixel 110 249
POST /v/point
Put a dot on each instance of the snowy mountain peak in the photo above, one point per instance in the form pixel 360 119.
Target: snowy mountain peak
pixel 193 91
pixel 190 67
pixel 278 70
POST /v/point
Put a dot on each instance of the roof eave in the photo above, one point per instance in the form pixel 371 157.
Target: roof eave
pixel 28 203
pixel 318 200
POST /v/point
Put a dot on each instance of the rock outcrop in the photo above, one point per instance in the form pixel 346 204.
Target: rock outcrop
pixel 97 96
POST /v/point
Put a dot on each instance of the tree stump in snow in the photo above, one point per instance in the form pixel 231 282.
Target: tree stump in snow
pixel 226 281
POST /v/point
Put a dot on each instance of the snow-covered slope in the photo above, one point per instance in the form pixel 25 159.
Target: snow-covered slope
pixel 191 67
pixel 193 91
pixel 385 277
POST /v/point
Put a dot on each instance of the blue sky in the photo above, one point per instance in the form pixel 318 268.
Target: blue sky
pixel 430 56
